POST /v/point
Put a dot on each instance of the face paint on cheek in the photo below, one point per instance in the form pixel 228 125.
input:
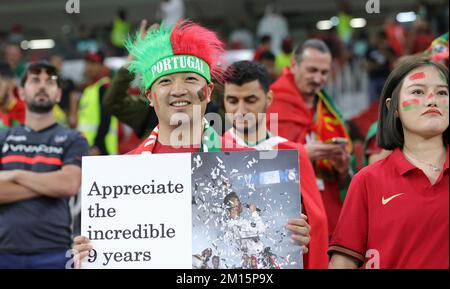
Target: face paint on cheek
pixel 410 104
pixel 155 99
pixel 202 93
pixel 416 76
pixel 442 76
pixel 444 102
pixel 205 90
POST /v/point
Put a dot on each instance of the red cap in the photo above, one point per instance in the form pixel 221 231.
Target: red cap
pixel 94 57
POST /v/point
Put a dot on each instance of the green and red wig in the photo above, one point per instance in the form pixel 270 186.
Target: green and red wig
pixel 187 47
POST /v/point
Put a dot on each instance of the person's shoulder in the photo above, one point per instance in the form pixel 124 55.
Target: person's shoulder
pixel 4 132
pixel 238 149
pixel 285 90
pixel 104 87
pixel 287 144
pixel 13 130
pixel 290 145
pixel 281 81
pixel 71 134
pixel 373 170
pixel 62 128
pixel 133 152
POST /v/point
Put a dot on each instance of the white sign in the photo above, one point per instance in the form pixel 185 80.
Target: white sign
pixel 136 210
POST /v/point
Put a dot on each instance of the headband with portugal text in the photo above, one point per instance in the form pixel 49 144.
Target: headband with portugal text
pixel 178 63
pixel 187 47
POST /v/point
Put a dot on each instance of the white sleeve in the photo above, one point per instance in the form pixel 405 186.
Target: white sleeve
pixel 260 226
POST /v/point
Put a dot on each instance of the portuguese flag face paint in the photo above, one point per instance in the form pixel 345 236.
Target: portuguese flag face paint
pixel 416 76
pixel 442 76
pixel 445 102
pixel 155 98
pixel 410 104
pixel 202 93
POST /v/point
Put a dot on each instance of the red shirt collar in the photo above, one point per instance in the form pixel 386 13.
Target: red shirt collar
pixel 403 165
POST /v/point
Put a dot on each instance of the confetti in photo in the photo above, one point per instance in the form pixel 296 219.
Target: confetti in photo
pixel 242 204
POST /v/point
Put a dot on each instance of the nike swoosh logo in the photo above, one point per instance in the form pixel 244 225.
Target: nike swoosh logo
pixel 385 201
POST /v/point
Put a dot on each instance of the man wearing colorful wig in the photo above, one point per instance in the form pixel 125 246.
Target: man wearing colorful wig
pixel 176 68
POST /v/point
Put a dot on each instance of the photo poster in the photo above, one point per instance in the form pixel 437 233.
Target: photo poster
pixel 168 211
pixel 241 204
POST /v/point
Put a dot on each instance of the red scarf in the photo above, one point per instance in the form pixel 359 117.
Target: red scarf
pixel 296 122
pixel 14 114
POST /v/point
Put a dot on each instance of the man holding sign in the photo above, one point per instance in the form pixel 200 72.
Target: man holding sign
pixel 177 67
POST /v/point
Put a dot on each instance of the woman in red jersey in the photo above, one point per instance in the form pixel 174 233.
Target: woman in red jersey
pixel 396 214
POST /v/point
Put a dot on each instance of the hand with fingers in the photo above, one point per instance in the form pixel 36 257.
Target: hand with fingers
pixel 341 163
pixel 320 151
pixel 300 230
pixel 81 249
pixel 143 31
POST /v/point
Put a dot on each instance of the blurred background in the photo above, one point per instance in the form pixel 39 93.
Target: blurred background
pixel 32 30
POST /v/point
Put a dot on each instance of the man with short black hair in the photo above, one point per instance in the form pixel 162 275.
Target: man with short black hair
pixel 40 169
pixel 247 98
